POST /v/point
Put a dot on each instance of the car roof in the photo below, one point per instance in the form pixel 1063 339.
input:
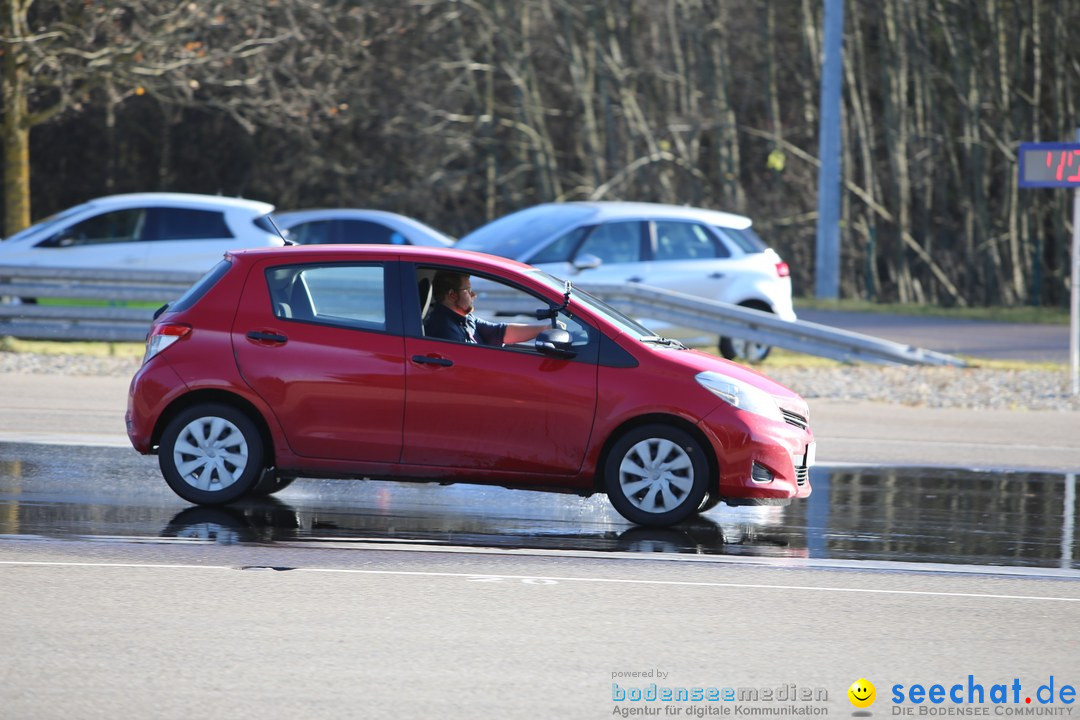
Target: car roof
pixel 257 207
pixel 617 210
pixel 316 213
pixel 409 253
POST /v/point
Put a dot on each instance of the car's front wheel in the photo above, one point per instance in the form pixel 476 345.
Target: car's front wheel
pixel 656 475
pixel 211 454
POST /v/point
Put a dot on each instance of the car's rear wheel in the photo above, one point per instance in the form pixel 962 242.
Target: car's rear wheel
pixel 211 454
pixel 743 350
pixel 656 475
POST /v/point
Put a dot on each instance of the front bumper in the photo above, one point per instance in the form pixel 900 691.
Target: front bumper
pixel 760 461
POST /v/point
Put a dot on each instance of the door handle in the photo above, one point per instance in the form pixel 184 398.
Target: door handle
pixel 428 360
pixel 716 276
pixel 634 279
pixel 267 337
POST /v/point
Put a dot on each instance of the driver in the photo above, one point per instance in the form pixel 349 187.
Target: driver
pixel 452 316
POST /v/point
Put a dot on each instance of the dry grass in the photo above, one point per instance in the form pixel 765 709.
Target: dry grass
pixel 55 347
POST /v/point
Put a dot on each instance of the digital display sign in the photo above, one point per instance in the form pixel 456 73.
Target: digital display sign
pixel 1050 165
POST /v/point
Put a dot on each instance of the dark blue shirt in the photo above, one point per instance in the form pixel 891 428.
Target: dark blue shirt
pixel 444 323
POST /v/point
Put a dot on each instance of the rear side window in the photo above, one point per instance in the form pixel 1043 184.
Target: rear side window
pixel 746 239
pixel 185 224
pixel 686 241
pixel 344 295
pixel 370 233
pixel 319 232
pixel 334 232
pixel 201 287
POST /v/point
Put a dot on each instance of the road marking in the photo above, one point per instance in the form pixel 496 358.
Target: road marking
pixel 922 442
pixel 550 580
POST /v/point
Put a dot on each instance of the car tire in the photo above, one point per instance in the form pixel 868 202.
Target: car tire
pixel 656 475
pixel 270 483
pixel 211 454
pixel 744 350
pixel 711 500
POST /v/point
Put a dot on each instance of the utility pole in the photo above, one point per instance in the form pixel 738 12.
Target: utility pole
pixel 827 269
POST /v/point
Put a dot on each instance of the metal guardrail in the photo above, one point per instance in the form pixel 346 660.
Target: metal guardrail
pixel 110 321
pixel 720 318
pixel 116 323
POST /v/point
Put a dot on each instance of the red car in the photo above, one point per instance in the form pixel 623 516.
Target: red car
pixel 354 362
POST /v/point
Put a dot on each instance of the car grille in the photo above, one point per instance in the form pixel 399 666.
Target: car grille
pixel 802 474
pixel 794 419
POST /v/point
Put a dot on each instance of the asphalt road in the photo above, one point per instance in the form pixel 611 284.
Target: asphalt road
pixel 181 623
pixel 167 631
pixel 974 338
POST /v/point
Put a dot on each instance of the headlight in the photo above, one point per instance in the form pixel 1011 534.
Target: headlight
pixel 740 395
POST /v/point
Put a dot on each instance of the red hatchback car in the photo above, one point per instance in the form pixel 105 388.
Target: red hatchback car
pixel 354 361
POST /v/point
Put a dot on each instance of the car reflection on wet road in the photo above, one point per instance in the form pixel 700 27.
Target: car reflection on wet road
pixel 879 514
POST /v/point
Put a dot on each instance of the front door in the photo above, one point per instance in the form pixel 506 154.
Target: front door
pixel 500 408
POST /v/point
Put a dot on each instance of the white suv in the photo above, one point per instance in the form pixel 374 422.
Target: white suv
pixel 714 255
pixel 150 231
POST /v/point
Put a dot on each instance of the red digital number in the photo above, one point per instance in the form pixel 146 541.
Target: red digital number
pixel 1064 162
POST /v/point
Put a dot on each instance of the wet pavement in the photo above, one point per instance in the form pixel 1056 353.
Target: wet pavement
pixel 916 515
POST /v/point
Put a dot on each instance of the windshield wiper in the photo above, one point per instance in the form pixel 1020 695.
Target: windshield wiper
pixel 667 342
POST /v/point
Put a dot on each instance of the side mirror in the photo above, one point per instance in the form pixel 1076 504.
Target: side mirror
pixel 587 261
pixel 555 342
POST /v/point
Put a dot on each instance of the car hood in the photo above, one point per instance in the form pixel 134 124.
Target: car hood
pixel 698 361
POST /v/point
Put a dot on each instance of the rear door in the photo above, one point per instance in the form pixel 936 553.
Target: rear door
pixel 688 257
pixel 321 344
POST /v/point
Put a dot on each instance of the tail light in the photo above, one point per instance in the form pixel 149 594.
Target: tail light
pixel 162 336
pixel 782 269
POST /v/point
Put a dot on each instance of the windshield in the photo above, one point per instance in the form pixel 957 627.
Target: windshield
pixel 517 235
pixel 50 220
pixel 598 306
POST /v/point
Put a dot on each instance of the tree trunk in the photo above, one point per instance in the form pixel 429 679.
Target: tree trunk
pixel 16 118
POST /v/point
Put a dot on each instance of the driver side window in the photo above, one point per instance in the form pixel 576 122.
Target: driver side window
pixel 491 305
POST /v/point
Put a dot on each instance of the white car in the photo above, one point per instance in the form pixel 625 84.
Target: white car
pixel 149 231
pixel 332 226
pixel 714 255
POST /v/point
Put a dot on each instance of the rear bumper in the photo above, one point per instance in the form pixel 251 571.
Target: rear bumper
pixel 154 386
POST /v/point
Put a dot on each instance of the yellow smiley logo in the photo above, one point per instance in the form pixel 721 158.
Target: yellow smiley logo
pixel 862 693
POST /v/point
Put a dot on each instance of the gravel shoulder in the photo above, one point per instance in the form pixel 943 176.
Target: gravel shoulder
pixel 927 387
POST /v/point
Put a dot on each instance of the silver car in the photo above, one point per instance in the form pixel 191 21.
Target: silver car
pixel 714 255
pixel 332 226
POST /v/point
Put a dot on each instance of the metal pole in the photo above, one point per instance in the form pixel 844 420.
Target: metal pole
pixel 1069 527
pixel 1074 304
pixel 827 269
